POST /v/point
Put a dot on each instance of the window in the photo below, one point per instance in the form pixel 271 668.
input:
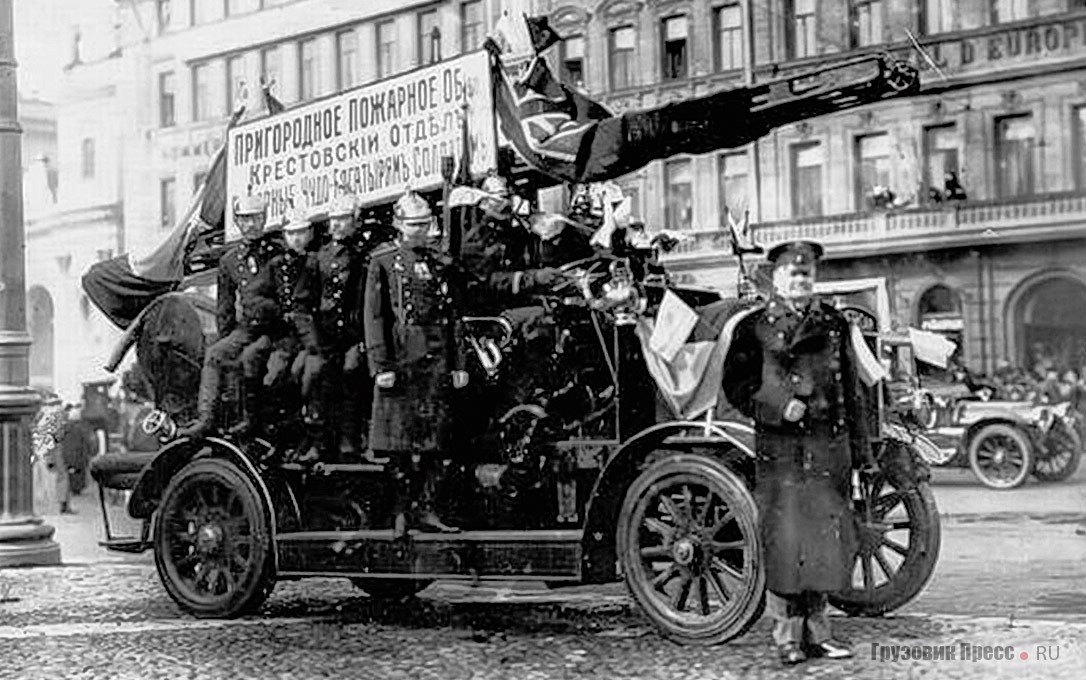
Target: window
pixel 386 48
pixel 236 7
pixel 807 161
pixel 1079 141
pixel 271 65
pixel 307 69
pixel 206 11
pixel 733 172
pixel 167 207
pixel 622 57
pixel 940 16
pixel 571 52
pixel 867 18
pixel 429 37
pixel 804 23
pixel 729 37
pixel 164 15
pixel 1015 137
pixel 940 155
pixel 1009 10
pixel 674 34
pixel 346 60
pixel 872 167
pixel 87 158
pixel 472 25
pixel 167 99
pixel 201 92
pixel 235 80
pixel 680 194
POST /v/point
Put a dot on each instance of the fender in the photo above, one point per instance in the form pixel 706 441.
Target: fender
pixel 175 455
pixel 609 491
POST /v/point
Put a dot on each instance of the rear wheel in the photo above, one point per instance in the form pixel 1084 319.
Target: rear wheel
pixel 899 542
pixel 690 552
pixel 1001 456
pixel 1061 454
pixel 213 546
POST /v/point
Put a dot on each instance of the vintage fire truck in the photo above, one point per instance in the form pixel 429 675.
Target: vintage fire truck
pixel 587 481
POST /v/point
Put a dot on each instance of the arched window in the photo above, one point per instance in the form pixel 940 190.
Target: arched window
pixel 40 326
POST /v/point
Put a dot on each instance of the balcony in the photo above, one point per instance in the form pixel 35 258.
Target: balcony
pixel 952 225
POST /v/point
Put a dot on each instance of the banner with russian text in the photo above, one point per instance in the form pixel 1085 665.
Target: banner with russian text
pixel 373 141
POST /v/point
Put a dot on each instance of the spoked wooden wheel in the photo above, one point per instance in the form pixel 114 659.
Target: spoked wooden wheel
pixel 1060 455
pixel 899 539
pixel 212 542
pixel 1001 456
pixel 689 548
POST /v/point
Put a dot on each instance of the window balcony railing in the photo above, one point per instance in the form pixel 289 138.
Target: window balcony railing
pixel 959 224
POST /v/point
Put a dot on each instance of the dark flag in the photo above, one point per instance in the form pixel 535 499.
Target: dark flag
pixel 543 36
pixel 124 285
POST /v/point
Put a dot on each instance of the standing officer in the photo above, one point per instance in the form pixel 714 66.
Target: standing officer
pixel 412 296
pixel 792 369
pixel 247 314
pixel 345 388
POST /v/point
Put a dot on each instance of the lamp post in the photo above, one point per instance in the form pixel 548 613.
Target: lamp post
pixel 24 539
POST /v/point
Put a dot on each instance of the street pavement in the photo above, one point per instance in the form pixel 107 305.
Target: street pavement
pixel 1012 573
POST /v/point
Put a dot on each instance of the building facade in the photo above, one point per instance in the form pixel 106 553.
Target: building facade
pixel 1001 119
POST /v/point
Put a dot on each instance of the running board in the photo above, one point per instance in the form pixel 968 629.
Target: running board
pixel 552 555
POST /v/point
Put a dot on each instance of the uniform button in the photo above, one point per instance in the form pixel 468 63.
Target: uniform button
pixel 780 334
pixel 794 378
pixel 340 323
pixel 837 376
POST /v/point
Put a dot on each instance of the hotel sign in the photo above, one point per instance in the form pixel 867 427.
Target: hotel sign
pixel 1006 47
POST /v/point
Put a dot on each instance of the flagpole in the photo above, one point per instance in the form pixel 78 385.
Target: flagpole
pixel 748 81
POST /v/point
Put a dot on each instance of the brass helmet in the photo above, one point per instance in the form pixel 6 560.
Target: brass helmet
pixel 344 206
pixel 412 208
pixel 496 185
pixel 296 221
pixel 250 205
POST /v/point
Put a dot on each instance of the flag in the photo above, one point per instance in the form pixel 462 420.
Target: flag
pixel 674 321
pixel 123 286
pixel 870 370
pixel 272 104
pixel 741 236
pixel 931 348
pixel 542 35
pixel 691 380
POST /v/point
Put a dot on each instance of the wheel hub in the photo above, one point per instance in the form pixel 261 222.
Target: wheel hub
pixel 683 551
pixel 209 538
pixel 999 457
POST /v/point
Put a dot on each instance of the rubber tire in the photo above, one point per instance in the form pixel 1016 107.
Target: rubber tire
pixel 740 498
pixel 1068 469
pixel 391 588
pixel 917 569
pixel 1020 439
pixel 261 578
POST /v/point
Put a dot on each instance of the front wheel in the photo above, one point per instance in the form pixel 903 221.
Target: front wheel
pixel 690 552
pixel 1001 456
pixel 1060 455
pixel 213 546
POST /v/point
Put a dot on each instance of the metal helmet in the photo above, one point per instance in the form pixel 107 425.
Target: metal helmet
pixel 344 206
pixel 297 220
pixel 412 208
pixel 497 186
pixel 250 205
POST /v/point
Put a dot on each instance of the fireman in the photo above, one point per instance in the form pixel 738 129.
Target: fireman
pixel 344 388
pixel 412 301
pixel 247 315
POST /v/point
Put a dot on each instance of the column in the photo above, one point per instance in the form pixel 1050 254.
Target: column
pixel 24 539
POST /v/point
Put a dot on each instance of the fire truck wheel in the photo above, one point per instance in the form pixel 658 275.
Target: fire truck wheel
pixel 1060 456
pixel 1001 456
pixel 689 549
pixel 391 588
pixel 213 547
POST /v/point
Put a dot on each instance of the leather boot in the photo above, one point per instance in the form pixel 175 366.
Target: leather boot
pixel 206 400
pixel 250 405
pixel 427 519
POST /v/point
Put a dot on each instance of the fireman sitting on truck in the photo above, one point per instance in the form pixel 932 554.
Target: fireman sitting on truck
pixel 247 315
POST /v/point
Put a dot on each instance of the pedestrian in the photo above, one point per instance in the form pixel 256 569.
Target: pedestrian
pixel 792 369
pixel 78 444
pixel 411 319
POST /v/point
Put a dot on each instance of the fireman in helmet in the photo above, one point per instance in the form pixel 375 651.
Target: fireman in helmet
pixel 247 316
pixel 411 311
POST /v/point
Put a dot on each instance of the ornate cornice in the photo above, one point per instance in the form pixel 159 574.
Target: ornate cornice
pixel 570 16
pixel 613 10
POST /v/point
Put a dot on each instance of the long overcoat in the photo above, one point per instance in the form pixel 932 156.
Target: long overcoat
pixel 803 470
pixel 411 326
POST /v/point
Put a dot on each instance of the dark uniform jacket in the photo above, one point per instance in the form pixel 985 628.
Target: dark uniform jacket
pixel 803 468
pixel 497 262
pixel 342 279
pixel 246 292
pixel 296 291
pixel 411 313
